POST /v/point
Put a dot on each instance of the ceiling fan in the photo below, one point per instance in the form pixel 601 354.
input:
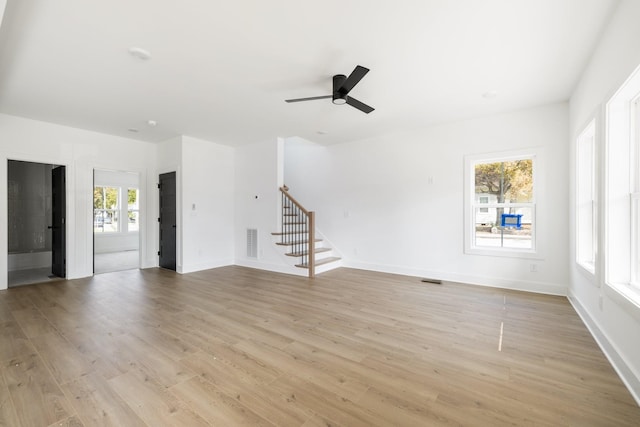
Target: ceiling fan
pixel 342 85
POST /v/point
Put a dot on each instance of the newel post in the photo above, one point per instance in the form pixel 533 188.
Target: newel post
pixel 312 245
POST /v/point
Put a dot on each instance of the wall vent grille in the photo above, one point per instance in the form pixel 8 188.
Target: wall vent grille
pixel 252 243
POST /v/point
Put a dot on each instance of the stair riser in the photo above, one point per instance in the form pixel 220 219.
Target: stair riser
pixel 323 255
pixel 328 267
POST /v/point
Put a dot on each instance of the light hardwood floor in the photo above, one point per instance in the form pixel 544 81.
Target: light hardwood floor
pixel 235 346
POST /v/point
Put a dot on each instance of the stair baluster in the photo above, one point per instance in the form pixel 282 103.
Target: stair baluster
pixel 298 230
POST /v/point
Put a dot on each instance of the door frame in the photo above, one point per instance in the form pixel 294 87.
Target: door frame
pixel 176 217
pixel 156 244
pixel 62 223
pixel 143 195
pixel 4 206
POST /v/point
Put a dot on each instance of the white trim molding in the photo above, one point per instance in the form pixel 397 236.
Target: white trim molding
pixel 624 371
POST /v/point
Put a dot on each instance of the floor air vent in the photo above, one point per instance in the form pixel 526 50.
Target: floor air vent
pixel 252 243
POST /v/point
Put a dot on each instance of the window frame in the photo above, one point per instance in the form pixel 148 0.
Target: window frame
pixel 634 197
pixel 586 138
pixel 114 213
pixel 621 185
pixel 121 212
pixel 136 209
pixel 470 204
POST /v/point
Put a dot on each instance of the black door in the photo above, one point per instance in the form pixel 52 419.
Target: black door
pixel 58 215
pixel 167 221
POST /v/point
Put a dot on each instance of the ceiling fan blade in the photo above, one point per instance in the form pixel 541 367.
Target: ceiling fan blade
pixel 308 99
pixel 353 79
pixel 359 105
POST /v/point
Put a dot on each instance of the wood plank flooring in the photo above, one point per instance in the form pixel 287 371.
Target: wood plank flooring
pixel 241 347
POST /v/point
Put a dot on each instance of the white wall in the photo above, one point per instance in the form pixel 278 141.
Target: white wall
pixel 205 178
pixel 613 320
pixel 395 203
pixel 207 194
pixel 259 174
pixel 80 151
pixel 205 201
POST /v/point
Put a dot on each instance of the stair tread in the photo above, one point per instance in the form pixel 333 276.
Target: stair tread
pixel 299 242
pixel 297 254
pixel 281 233
pixel 320 262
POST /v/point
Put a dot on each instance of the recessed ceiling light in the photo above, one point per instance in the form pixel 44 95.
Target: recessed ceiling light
pixel 490 94
pixel 140 53
pixel 152 123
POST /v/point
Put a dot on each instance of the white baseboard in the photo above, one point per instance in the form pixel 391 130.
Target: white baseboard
pixel 624 372
pixel 276 268
pixel 29 260
pixel 496 282
pixel 192 268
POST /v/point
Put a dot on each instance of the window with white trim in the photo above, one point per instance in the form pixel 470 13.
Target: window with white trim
pixel 105 209
pixel 110 205
pixel 635 198
pixel 501 204
pixel 586 198
pixel 622 196
pixel 133 209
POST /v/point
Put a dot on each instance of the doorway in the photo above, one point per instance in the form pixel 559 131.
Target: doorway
pixel 36 222
pixel 116 221
pixel 167 253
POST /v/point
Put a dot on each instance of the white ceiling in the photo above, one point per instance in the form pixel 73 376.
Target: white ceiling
pixel 220 70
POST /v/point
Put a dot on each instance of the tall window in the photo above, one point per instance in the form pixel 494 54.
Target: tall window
pixel 635 200
pixel 586 199
pixel 105 209
pixel 622 202
pixel 133 210
pixel 502 204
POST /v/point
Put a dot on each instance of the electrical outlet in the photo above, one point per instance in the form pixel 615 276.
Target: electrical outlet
pixel 533 268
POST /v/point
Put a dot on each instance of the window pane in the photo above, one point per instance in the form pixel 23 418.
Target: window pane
pixel 507 228
pixel 585 209
pixel 111 221
pixel 105 209
pixel 98 221
pixel 110 197
pixel 132 198
pixel 98 198
pixel 133 224
pixel 105 221
pixel 635 263
pixel 507 182
pixel 105 197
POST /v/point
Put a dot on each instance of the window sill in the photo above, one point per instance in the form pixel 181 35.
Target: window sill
pixel 587 268
pixel 117 233
pixel 626 296
pixel 509 253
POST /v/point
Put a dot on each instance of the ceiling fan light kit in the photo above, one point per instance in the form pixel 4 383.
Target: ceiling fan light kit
pixel 342 85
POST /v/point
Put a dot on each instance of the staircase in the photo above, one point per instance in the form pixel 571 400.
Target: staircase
pixel 299 238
